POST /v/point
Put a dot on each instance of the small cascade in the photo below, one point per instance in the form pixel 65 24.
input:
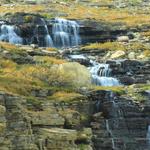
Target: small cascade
pixel 110 133
pixel 148 136
pixel 116 109
pixel 65 33
pixel 101 75
pixel 48 39
pixel 8 33
pixel 113 144
pixel 107 128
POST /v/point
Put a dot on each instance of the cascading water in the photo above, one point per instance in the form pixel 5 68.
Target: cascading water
pixel 8 34
pixel 110 132
pixel 148 136
pixel 48 39
pixel 65 33
pixel 100 72
pixel 101 75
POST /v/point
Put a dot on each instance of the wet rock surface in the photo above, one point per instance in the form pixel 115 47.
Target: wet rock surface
pixel 119 124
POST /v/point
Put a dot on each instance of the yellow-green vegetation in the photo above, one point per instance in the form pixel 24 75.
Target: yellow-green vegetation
pixel 51 49
pixel 47 15
pixel 11 48
pixel 117 89
pixel 83 146
pixel 116 46
pixel 69 114
pixel 21 8
pixel 7 64
pixel 49 60
pixel 28 18
pixel 143 87
pixel 78 74
pixel 146 34
pixel 2 127
pixel 8 46
pixel 136 92
pixel 128 16
pixel 112 15
pixel 63 96
pixel 48 73
pixel 34 103
pixel 108 46
pixel 147 53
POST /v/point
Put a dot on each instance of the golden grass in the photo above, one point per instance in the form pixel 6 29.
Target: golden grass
pixel 111 15
pixel 146 34
pixel 7 64
pixel 49 60
pixel 147 53
pixel 66 96
pixel 51 49
pixel 135 92
pixel 8 46
pixel 115 46
pixel 110 46
pixel 116 89
pixel 130 17
pixel 21 8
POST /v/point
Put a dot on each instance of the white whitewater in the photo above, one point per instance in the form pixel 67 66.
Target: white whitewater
pixel 65 33
pixel 77 57
pixel 8 34
pixel 110 132
pixel 101 75
pixel 148 136
pixel 48 39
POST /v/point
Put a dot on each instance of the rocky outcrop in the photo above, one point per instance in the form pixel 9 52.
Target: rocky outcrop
pixel 130 71
pixel 23 128
pixel 118 124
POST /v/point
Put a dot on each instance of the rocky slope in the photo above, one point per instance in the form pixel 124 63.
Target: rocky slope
pixel 47 99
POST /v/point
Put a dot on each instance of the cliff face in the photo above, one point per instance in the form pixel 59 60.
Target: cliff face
pixel 23 128
pixel 104 120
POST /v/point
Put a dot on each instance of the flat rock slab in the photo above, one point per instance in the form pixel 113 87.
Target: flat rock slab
pixel 60 134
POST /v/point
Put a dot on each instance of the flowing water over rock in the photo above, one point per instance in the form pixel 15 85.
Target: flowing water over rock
pixel 148 136
pixel 65 33
pixel 101 75
pixel 59 33
pixel 100 72
pixel 48 39
pixel 8 33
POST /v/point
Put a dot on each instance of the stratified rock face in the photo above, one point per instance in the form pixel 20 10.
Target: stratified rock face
pixel 118 124
pixel 34 29
pixel 131 71
pixel 23 128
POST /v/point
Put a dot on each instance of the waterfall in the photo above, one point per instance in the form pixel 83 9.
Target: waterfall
pixel 48 39
pixel 65 33
pixel 101 75
pixel 148 136
pixel 107 128
pixel 8 34
pixel 110 132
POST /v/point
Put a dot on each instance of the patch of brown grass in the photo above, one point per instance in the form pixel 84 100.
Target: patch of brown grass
pixel 21 8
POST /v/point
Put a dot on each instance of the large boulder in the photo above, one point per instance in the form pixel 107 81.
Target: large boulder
pixel 78 74
pixel 118 54
pixel 123 39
